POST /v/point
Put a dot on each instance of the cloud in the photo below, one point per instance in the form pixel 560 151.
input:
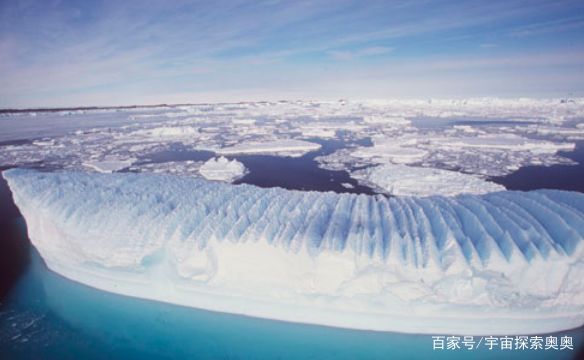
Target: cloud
pixel 359 53
pixel 545 27
pixel 564 59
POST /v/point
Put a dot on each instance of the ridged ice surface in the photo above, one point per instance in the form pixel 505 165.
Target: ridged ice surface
pixel 506 262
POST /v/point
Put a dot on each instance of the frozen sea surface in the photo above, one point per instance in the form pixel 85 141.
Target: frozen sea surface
pixel 482 137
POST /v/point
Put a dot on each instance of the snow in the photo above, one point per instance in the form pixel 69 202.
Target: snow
pixel 393 152
pixel 179 168
pixel 501 263
pixel 290 147
pixel 219 169
pixel 418 181
pixel 508 142
pixel 385 120
pixel 244 121
pixel 222 169
pixel 168 131
pixel 109 165
pixel 319 132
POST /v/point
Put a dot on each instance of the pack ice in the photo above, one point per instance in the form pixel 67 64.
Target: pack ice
pixel 501 263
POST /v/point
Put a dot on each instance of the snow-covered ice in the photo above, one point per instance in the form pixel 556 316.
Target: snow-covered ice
pixel 219 169
pixel 222 169
pixel 398 151
pixel 180 168
pixel 507 142
pixel 168 132
pixel 501 263
pixel 419 181
pixel 481 153
pixel 109 165
pixel 288 147
pixel 487 136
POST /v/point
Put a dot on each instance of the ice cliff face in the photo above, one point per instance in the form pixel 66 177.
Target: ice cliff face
pixel 501 263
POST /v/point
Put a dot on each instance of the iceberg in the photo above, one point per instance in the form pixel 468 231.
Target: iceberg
pixel 501 263
pixel 222 169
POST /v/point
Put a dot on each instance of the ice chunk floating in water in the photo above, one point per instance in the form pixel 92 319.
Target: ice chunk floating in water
pixel 501 263
pixel 222 169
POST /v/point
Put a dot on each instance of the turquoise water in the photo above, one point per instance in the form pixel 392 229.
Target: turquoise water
pixel 49 317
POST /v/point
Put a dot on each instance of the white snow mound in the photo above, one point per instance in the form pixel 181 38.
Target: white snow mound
pixel 222 169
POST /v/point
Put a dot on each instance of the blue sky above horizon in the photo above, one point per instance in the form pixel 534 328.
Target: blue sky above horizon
pixel 74 53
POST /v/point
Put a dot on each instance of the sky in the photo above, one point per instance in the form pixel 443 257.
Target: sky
pixel 92 53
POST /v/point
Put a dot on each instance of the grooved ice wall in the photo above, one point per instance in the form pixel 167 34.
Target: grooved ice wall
pixel 501 263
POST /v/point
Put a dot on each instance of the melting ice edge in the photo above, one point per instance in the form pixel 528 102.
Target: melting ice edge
pixel 503 263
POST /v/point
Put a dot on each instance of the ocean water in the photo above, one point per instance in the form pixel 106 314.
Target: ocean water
pixel 303 173
pixel 564 177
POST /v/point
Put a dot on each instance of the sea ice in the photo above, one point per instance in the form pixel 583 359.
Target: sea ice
pixel 109 164
pixel 222 169
pixel 474 152
pixel 323 132
pixel 395 153
pixel 507 142
pixel 169 132
pixel 479 136
pixel 179 168
pixel 419 181
pixel 501 263
pixel 289 147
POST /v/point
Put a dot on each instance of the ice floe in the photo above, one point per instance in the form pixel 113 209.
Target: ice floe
pixel 288 147
pixel 401 150
pixel 418 181
pixel 222 169
pixel 169 132
pixel 180 168
pixel 109 165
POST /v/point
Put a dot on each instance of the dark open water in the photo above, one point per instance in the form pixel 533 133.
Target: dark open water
pixel 564 177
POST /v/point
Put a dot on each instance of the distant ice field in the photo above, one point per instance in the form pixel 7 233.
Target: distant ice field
pixel 484 138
